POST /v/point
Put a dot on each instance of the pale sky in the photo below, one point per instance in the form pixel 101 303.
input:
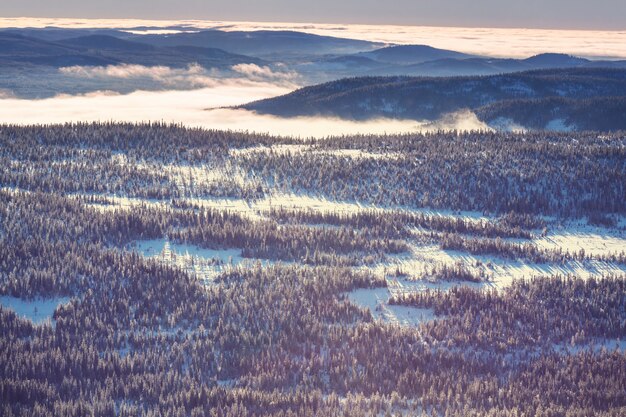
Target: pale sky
pixel 561 14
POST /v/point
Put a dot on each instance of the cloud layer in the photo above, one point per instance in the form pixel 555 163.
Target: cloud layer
pixel 510 42
pixel 190 108
pixel 192 77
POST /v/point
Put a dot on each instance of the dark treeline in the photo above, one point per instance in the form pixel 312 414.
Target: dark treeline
pixel 456 272
pixel 432 98
pixel 398 223
pixel 530 313
pixel 595 113
pixel 167 142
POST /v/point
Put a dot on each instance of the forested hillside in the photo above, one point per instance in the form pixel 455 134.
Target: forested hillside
pixel 531 97
pixel 199 273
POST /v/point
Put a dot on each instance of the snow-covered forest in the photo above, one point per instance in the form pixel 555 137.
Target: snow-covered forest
pixel 156 270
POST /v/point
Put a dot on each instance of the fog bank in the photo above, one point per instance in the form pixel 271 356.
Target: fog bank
pixel 193 108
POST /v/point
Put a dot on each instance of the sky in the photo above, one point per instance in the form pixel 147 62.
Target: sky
pixel 556 14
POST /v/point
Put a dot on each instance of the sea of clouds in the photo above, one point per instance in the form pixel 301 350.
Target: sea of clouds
pixel 203 108
pixel 199 97
pixel 496 42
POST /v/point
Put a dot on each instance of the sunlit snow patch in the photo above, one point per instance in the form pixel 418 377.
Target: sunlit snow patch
pixel 594 241
pixel 37 310
pixel 206 264
pixel 501 272
pixel 597 345
pixel 376 300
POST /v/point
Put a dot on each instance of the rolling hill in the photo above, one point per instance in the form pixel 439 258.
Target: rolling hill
pixel 93 50
pixel 558 113
pixel 411 54
pixel 424 98
pixel 265 44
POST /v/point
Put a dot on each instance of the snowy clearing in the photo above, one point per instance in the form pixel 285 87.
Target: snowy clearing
pixel 206 264
pixel 500 271
pixel 594 241
pixel 37 310
pixel 607 344
pixel 376 300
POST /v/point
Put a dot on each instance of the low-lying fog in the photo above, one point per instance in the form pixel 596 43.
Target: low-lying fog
pixel 190 108
pixel 194 97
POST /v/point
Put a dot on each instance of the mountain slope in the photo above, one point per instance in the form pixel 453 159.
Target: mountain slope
pixel 264 43
pixel 106 42
pixel 430 98
pixel 131 52
pixel 558 113
pixel 552 60
pixel 425 61
pixel 411 54
pixel 92 50
pixel 18 49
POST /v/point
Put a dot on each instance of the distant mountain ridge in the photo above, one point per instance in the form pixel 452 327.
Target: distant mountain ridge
pixel 96 50
pixel 317 58
pixel 264 43
pixel 424 60
pixel 412 54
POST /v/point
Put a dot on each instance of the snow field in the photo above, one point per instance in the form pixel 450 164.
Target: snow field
pixel 38 310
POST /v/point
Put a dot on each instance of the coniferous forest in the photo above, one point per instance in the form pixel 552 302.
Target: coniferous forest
pixel 208 273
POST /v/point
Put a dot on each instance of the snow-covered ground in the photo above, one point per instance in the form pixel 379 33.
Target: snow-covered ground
pixel 358 154
pixel 123 203
pixel 596 241
pixel 376 300
pixel 501 271
pixel 282 149
pixel 293 149
pixel 189 177
pixel 37 310
pixel 419 261
pixel 206 264
pixel 607 344
pixel 255 209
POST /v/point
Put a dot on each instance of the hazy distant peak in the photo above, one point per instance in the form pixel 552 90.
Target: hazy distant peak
pixel 554 59
pixel 412 54
pixel 107 42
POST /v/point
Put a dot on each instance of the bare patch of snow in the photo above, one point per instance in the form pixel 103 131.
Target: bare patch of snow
pixel 115 202
pixel 592 243
pixel 292 149
pixel 206 264
pixel 416 264
pixel 376 300
pixel 39 310
pixel 597 345
pixel 282 149
pixel 359 154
